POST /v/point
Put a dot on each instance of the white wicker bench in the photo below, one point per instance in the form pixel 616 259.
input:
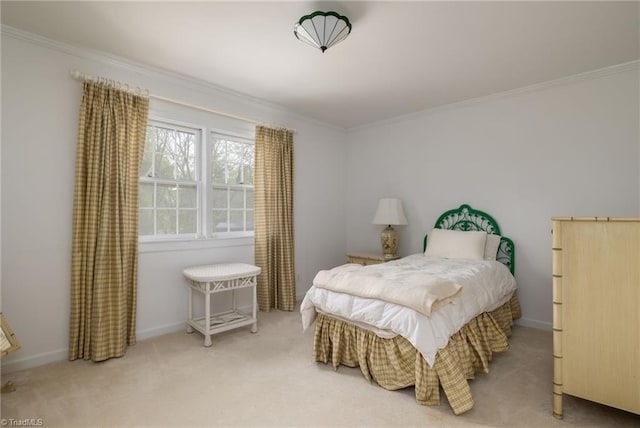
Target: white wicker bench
pixel 217 278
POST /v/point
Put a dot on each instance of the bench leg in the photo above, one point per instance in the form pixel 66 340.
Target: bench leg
pixel 207 318
pixel 254 326
pixel 190 311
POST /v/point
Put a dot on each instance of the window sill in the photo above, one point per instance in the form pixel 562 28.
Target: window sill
pixel 194 244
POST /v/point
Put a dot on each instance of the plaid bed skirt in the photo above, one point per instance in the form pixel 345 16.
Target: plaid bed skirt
pixel 395 363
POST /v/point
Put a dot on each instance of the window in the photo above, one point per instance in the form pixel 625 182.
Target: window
pixel 231 184
pixel 169 182
pixel 195 184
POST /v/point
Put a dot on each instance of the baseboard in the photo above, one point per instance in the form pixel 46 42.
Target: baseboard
pixel 540 325
pixel 148 333
pixel 34 361
pixel 63 354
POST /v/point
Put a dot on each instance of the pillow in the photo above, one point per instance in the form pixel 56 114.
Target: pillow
pixel 491 246
pixel 455 244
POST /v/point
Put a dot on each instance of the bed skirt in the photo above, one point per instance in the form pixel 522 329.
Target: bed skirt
pixel 396 364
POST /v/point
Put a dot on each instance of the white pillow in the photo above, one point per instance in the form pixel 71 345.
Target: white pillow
pixel 491 247
pixel 455 244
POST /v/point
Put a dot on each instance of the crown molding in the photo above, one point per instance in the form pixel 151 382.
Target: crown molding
pixel 186 81
pixel 593 74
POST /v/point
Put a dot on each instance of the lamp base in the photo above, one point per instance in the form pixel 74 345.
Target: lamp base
pixel 389 241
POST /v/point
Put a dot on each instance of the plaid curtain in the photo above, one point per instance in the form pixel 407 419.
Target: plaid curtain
pixel 111 135
pixel 273 216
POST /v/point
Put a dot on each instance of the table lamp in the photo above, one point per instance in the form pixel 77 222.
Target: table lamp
pixel 389 212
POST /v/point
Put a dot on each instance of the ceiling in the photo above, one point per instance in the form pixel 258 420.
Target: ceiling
pixel 401 57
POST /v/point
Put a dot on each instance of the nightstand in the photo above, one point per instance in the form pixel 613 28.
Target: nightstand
pixel 367 259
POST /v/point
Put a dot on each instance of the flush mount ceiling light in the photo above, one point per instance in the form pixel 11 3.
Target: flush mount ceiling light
pixel 322 29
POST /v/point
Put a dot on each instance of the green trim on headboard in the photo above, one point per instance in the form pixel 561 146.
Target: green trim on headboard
pixel 466 218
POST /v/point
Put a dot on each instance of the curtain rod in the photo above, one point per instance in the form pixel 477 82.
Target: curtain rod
pixel 77 75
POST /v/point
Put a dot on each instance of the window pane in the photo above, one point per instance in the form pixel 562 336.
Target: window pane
pixel 235 155
pixel 166 194
pixel 185 155
pixel 146 167
pixel 218 160
pixel 236 198
pixel 237 221
pixel 219 198
pixel 146 195
pixel 219 221
pixel 248 164
pixel 248 174
pixel 166 222
pixel 187 222
pixel 249 220
pixel 164 165
pixel 146 222
pixel 187 196
pixel 249 198
pixel 235 173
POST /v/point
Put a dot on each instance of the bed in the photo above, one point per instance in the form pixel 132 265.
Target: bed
pixel 441 345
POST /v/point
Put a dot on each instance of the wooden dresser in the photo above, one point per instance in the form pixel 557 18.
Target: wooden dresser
pixel 596 311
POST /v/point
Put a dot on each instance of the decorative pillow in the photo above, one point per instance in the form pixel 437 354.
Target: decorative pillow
pixel 491 247
pixel 455 244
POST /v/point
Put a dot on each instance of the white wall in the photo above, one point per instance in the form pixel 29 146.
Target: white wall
pixel 569 148
pixel 39 126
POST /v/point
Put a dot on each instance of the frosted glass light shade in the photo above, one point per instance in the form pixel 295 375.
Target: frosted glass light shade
pixel 322 29
pixel 390 212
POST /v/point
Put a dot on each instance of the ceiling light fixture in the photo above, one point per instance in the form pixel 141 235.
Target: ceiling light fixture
pixel 322 29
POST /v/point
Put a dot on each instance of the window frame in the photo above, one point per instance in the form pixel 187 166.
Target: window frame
pixel 204 192
pixel 212 135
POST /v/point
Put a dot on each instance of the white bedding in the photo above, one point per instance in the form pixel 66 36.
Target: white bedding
pixel 486 285
pixel 391 282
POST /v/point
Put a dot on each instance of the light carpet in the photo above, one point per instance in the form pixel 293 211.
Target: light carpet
pixel 269 379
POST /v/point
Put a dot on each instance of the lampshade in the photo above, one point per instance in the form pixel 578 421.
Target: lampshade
pixel 390 212
pixel 322 29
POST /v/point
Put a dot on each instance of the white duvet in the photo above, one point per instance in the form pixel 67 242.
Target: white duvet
pixel 393 283
pixel 486 285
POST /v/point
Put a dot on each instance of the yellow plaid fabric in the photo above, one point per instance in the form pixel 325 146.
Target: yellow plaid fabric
pixel 395 363
pixel 273 218
pixel 111 134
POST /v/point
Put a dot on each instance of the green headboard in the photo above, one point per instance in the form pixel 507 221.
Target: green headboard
pixel 466 218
